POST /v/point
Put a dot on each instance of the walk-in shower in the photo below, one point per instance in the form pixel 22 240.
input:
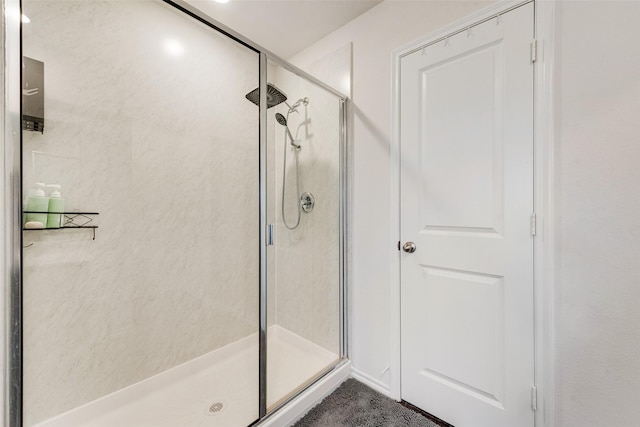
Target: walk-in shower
pixel 175 290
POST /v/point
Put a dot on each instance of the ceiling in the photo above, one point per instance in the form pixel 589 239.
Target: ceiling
pixel 284 27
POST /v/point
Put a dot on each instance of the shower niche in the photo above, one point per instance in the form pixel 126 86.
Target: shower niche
pixel 32 94
pixel 182 312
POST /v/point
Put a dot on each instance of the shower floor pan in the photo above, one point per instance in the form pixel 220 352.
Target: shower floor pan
pixel 214 390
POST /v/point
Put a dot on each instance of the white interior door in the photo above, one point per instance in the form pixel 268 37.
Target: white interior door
pixel 466 202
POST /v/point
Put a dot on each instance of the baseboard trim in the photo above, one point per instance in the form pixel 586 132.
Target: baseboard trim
pixel 298 407
pixel 371 382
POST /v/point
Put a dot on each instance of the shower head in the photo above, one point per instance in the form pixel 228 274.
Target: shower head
pixel 283 121
pixel 274 96
pixel 280 119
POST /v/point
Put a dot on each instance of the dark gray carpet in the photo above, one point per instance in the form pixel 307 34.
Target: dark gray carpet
pixel 354 404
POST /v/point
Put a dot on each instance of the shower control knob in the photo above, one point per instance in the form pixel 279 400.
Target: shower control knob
pixel 409 247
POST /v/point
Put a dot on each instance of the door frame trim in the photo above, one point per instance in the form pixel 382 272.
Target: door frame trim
pixel 544 296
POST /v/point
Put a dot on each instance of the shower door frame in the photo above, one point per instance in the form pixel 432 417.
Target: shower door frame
pixel 11 214
pixel 265 57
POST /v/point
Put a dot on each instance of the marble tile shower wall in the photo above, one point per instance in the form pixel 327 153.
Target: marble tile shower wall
pixel 146 123
pixel 307 258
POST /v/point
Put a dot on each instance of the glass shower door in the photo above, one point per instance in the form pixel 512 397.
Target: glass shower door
pixel 303 206
pixel 152 318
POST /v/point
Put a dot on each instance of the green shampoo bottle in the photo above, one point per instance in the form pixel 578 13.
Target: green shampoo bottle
pixel 56 207
pixel 38 204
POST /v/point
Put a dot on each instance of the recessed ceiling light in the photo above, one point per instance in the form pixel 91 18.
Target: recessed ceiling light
pixel 173 47
pixel 221 1
pixel 25 19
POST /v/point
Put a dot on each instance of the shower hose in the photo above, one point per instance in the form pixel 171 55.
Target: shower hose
pixel 284 182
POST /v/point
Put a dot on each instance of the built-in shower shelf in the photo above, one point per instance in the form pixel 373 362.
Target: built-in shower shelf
pixel 70 221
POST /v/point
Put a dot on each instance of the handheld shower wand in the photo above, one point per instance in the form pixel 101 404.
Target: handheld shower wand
pixel 283 121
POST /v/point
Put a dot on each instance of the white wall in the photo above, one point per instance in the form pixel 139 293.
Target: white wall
pixel 597 196
pixel 374 35
pixel 598 201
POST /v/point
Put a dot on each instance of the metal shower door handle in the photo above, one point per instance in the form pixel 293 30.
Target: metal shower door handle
pixel 409 247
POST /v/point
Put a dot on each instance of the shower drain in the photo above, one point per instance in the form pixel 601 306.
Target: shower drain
pixel 215 408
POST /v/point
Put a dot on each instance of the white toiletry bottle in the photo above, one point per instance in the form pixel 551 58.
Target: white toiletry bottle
pixel 56 207
pixel 38 203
